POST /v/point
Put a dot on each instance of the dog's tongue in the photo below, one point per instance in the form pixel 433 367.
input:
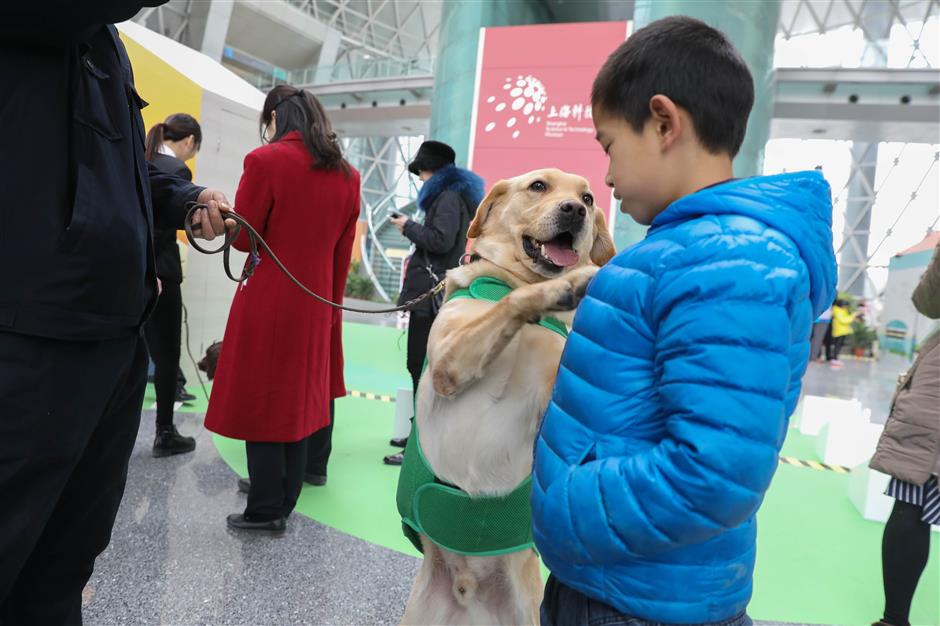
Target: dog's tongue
pixel 563 257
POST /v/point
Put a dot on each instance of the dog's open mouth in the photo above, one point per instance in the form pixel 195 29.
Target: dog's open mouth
pixel 554 254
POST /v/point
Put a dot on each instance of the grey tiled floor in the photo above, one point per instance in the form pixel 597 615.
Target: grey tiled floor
pixel 172 561
pixel 873 384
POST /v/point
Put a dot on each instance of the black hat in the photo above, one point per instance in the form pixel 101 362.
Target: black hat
pixel 432 156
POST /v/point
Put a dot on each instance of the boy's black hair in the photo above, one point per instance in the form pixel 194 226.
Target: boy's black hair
pixel 691 63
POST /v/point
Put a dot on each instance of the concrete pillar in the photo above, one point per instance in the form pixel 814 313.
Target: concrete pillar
pixel 751 27
pixel 329 50
pixel 216 30
pixel 455 67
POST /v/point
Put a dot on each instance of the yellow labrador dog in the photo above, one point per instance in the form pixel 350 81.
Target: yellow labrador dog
pixel 489 379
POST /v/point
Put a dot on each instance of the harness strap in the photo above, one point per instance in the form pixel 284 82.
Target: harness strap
pixel 449 516
pixel 494 289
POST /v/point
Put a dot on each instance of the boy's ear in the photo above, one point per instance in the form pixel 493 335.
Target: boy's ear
pixel 483 211
pixel 603 249
pixel 665 115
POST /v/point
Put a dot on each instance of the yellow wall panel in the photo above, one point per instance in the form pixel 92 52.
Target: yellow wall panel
pixel 163 87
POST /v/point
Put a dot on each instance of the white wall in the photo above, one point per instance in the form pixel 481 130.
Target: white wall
pixel 904 275
pixel 230 131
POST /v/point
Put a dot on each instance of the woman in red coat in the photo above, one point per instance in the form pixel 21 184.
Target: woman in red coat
pixel 281 363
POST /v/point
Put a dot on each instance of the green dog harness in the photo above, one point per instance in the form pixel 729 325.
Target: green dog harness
pixel 449 516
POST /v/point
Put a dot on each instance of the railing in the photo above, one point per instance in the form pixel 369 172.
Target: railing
pixel 357 69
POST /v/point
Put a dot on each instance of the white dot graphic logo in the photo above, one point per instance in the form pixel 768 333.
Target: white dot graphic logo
pixel 526 98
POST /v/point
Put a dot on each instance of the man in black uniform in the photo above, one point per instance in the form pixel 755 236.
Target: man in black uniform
pixel 77 282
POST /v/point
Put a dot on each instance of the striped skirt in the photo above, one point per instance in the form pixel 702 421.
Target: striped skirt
pixel 926 496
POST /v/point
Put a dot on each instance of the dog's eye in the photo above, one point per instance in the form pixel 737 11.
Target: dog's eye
pixel 588 199
pixel 538 186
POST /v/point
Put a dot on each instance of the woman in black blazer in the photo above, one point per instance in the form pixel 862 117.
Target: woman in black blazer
pixel 169 144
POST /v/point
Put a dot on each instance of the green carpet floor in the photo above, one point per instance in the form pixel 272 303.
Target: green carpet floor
pixel 818 560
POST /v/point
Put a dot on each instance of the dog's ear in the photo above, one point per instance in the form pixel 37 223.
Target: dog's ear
pixel 483 211
pixel 603 249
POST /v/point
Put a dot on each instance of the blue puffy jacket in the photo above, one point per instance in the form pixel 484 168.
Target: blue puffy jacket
pixel 673 396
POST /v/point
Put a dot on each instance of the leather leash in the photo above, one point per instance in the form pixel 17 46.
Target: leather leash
pixel 256 242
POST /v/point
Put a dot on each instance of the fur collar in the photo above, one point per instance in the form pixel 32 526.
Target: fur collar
pixel 452 178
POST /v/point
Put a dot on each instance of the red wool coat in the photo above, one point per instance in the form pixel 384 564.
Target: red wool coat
pixel 282 355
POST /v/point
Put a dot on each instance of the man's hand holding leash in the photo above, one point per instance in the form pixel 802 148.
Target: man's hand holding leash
pixel 209 221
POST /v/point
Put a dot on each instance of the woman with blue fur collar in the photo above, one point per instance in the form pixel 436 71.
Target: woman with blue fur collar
pixel 449 198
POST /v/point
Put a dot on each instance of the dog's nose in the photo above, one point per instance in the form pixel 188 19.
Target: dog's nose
pixel 573 208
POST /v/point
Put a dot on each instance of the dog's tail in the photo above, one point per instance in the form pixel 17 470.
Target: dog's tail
pixel 465 587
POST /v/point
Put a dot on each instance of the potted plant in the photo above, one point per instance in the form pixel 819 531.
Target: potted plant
pixel 357 285
pixel 862 340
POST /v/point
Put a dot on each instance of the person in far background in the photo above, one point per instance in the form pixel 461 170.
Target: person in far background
pixel 168 158
pixel 169 144
pixel 821 335
pixel 449 199
pixel 281 363
pixel 841 328
pixel 909 452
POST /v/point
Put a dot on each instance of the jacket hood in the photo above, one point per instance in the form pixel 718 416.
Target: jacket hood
pixel 797 204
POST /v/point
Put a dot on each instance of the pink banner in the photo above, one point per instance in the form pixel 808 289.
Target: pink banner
pixel 532 106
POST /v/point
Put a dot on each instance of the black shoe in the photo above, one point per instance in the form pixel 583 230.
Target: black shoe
pixel 184 396
pixel 244 485
pixel 317 480
pixel 393 459
pixel 399 443
pixel 238 521
pixel 169 442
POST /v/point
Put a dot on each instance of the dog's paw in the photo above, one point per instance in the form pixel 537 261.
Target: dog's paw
pixel 571 289
pixel 580 278
pixel 558 294
pixel 443 382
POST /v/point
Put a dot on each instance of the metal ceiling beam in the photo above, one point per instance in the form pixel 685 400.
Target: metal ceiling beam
pixel 372 86
pixel 863 104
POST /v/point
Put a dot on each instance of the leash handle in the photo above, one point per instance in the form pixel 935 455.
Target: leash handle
pixel 256 242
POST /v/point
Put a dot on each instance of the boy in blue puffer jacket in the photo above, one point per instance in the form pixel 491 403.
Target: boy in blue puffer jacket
pixel 685 359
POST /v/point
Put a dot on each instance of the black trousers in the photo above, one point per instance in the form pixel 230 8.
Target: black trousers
pixel 319 447
pixel 819 340
pixel 163 332
pixel 69 413
pixel 419 327
pixel 564 606
pixel 905 548
pixel 834 348
pixel 277 471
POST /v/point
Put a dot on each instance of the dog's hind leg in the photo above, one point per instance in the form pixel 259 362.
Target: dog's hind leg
pixel 432 600
pixel 526 582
